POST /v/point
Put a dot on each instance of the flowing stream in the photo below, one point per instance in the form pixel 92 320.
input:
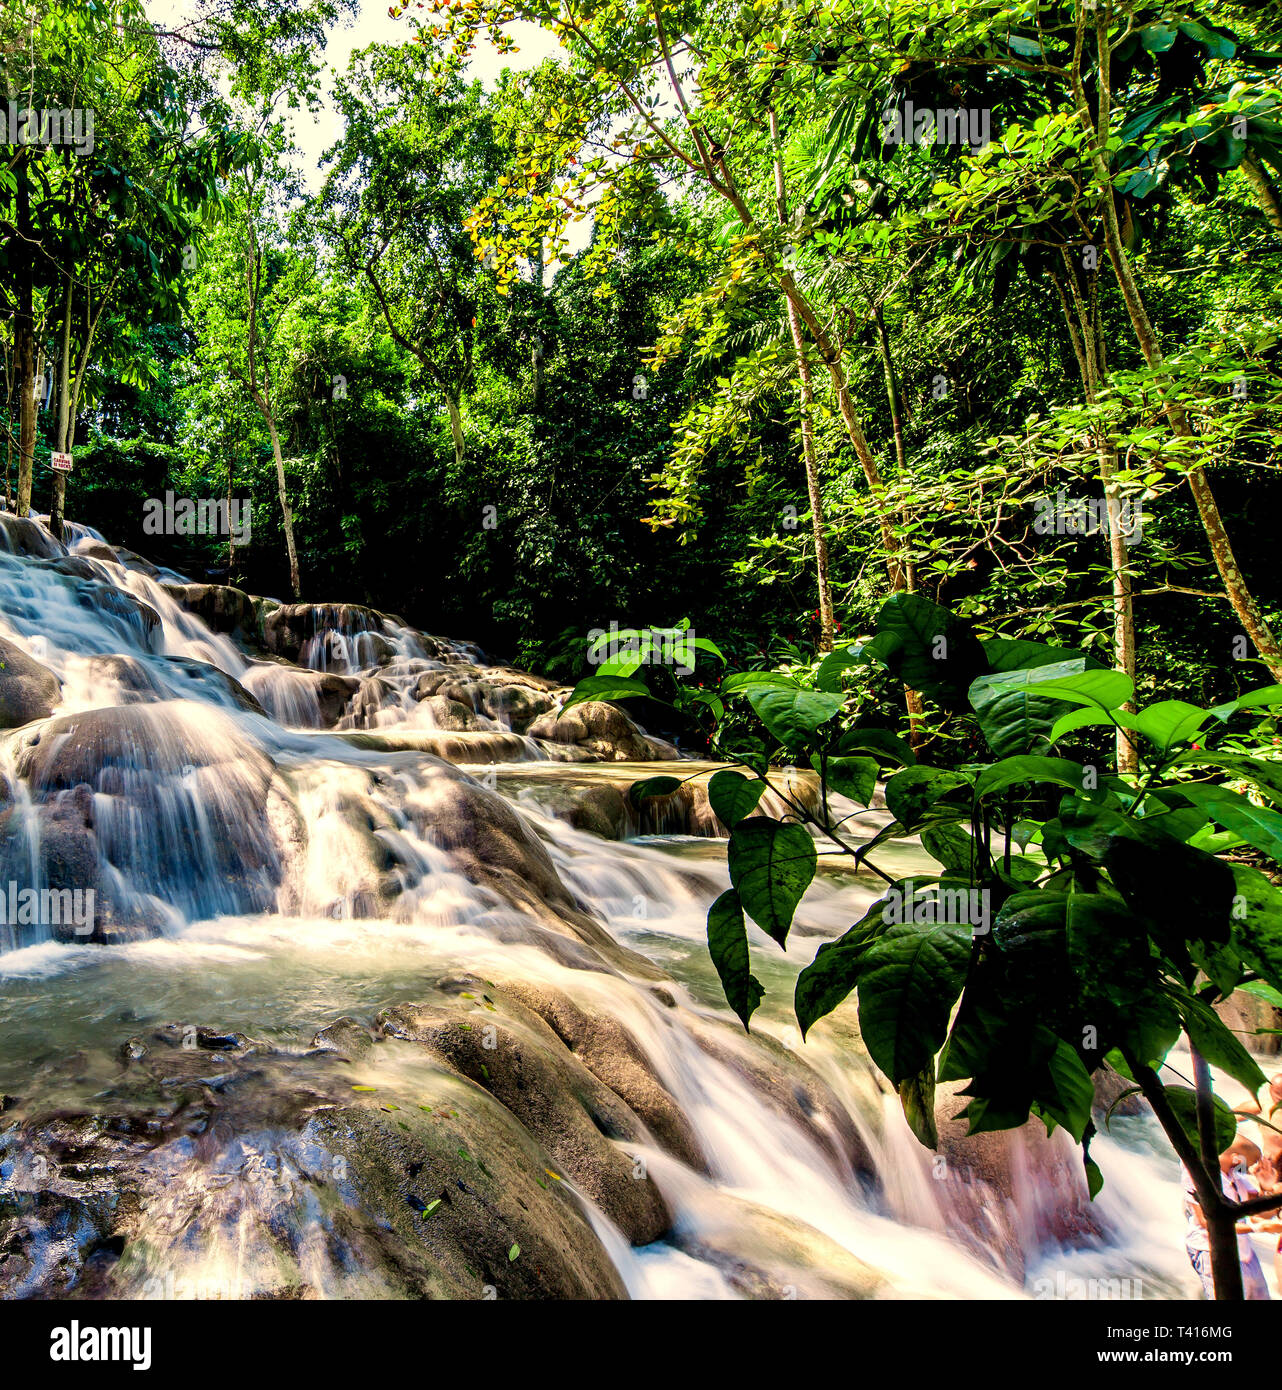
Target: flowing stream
pixel 282 839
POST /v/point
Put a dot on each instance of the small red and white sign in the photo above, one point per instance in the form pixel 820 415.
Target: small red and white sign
pixel 60 463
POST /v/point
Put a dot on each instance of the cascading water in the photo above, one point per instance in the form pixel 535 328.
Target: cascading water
pixel 367 1009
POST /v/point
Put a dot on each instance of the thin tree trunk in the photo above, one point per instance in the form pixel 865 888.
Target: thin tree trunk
pixel 1088 347
pixel 827 622
pixel 1265 194
pixel 1221 1224
pixel 64 414
pixel 25 346
pixel 1235 586
pixel 287 517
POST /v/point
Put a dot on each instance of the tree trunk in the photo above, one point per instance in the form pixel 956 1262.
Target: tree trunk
pixel 64 415
pixel 1221 1224
pixel 456 429
pixel 817 521
pixel 25 347
pixel 1235 585
pixel 1086 335
pixel 287 517
pixel 1265 194
pixel 818 526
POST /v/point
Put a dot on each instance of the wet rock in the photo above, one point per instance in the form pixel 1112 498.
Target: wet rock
pixel 450 715
pixel 28 690
pixel 1011 1193
pixel 345 1036
pixel 140 620
pixel 316 634
pixel 133 561
pixel 602 729
pixel 514 1056
pixel 134 1049
pixel 221 607
pixel 615 1058
pixel 202 673
pixel 23 535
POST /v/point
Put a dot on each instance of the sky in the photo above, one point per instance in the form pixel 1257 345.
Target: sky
pixel 373 24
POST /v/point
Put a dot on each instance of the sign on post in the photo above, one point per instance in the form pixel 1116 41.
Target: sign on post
pixel 60 463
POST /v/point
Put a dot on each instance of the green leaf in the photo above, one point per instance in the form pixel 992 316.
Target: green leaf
pixel 733 796
pixel 1265 992
pixel 1014 715
pixel 1257 923
pixel 792 715
pixel 1108 949
pixel 513 1252
pixel 772 865
pixel 1265 774
pixel 605 688
pixel 1026 768
pixel 1169 722
pixel 1108 690
pixel 652 786
pixel 952 846
pixel 1257 825
pixel 1070 1093
pixel 852 777
pixel 728 946
pixel 1183 1101
pixel 910 979
pixel 1212 1038
pixel 911 793
pixel 1009 654
pixel 917 1096
pixel 936 652
pixel 742 681
pixel 880 743
pixel 834 972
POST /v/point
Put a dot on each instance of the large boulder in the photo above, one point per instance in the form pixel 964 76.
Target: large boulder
pixel 28 690
pixel 586 1127
pixel 23 535
pixel 603 730
pixel 219 606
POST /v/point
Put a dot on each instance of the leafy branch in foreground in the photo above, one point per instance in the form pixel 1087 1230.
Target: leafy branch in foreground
pixel 1080 919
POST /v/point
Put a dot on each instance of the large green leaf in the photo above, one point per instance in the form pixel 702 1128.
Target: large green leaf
pixel 605 688
pixel 910 794
pixel 1107 689
pixel 1209 1034
pixel 1108 949
pixel 728 946
pixel 733 796
pixel 1010 654
pixel 910 979
pixel 1014 715
pixel 1025 768
pixel 852 777
pixel 936 653
pixel 772 865
pixel 1170 722
pixel 1183 1101
pixel 1184 892
pixel 1257 825
pixel 793 715
pixel 834 972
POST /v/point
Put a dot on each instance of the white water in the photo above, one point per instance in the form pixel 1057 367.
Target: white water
pixel 339 898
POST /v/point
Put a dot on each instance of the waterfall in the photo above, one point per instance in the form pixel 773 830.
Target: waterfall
pixel 371 1010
